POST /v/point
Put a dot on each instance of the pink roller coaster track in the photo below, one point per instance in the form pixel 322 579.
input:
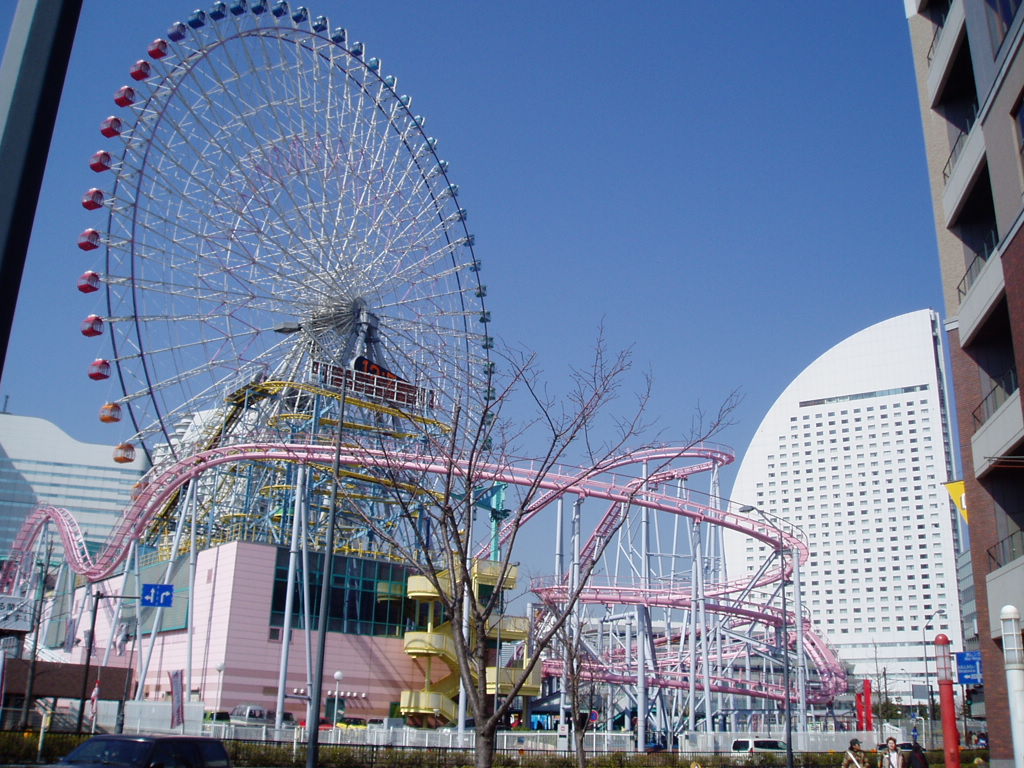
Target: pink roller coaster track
pixel 164 482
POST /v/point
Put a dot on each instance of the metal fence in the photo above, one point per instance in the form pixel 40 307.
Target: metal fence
pixel 155 717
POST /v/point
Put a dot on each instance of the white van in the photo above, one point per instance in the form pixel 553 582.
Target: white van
pixel 758 745
pixel 257 714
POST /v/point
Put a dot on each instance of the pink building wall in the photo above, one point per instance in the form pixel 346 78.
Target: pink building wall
pixel 233 588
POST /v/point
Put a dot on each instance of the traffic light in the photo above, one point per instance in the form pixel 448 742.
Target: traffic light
pixel 973 694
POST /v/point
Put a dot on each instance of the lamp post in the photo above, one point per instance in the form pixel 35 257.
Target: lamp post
pixel 947 705
pixel 927 679
pixel 1013 662
pixel 781 551
pixel 337 693
pixel 96 597
pixel 220 667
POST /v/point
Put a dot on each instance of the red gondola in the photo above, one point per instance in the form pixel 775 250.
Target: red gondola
pixel 157 49
pixel 111 127
pixel 92 326
pixel 89 282
pixel 92 199
pixel 100 161
pixel 99 369
pixel 140 70
pixel 89 240
pixel 125 96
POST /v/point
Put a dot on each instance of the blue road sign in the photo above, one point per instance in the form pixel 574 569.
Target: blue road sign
pixel 158 595
pixel 968 668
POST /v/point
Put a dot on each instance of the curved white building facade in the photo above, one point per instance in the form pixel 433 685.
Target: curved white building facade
pixel 855 452
pixel 40 464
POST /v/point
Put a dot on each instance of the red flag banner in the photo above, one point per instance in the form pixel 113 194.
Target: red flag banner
pixel 177 698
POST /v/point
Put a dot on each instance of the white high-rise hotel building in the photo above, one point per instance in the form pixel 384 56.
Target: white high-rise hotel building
pixel 855 452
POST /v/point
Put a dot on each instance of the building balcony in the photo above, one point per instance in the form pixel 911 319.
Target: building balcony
pixel 489 571
pixel 428 703
pixel 942 45
pixel 981 288
pixel 965 162
pixel 420 587
pixel 508 627
pixel 1005 586
pixel 501 679
pixel 1006 551
pixel 948 33
pixel 999 423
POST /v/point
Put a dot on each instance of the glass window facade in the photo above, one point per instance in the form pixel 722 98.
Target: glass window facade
pixel 368 597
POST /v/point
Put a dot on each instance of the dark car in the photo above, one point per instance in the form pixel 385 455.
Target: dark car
pixel 143 751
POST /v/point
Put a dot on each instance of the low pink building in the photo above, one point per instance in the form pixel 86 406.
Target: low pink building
pixel 237 632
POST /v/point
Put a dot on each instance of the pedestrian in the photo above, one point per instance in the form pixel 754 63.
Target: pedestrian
pixel 917 756
pixel 891 757
pixel 855 757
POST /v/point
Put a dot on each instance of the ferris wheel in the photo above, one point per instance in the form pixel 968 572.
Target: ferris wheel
pixel 274 210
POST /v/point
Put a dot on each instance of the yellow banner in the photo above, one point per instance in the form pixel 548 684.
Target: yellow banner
pixel 957 493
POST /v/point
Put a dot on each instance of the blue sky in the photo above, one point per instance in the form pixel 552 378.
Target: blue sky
pixel 729 188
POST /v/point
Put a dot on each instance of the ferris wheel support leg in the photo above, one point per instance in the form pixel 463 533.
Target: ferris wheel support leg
pixel 191 511
pixel 158 621
pixel 286 628
pixel 306 607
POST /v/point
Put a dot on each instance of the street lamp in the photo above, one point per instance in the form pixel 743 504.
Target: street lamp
pixel 781 551
pixel 924 647
pixel 337 688
pixel 1013 663
pixel 220 666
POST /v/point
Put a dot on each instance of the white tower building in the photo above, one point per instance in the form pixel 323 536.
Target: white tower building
pixel 40 464
pixel 855 452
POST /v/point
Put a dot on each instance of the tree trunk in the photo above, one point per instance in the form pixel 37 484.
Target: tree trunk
pixel 485 744
pixel 579 736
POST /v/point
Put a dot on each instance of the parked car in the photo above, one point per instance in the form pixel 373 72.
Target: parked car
pixel 758 745
pixel 256 714
pixel 108 750
pixel 351 722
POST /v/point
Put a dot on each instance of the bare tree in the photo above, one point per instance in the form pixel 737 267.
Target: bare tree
pixel 437 496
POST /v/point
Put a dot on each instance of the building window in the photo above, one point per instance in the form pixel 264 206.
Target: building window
pixel 1000 18
pixel 1018 117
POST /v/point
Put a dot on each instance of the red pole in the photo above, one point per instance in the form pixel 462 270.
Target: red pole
pixel 947 704
pixel 859 698
pixel 869 713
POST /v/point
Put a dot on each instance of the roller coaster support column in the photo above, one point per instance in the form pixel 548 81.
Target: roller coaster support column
pixel 289 600
pixel 788 700
pixel 643 629
pixel 801 663
pixel 316 689
pixel 947 705
pixel 190 625
pixel 574 631
pixel 168 572
pixel 559 569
